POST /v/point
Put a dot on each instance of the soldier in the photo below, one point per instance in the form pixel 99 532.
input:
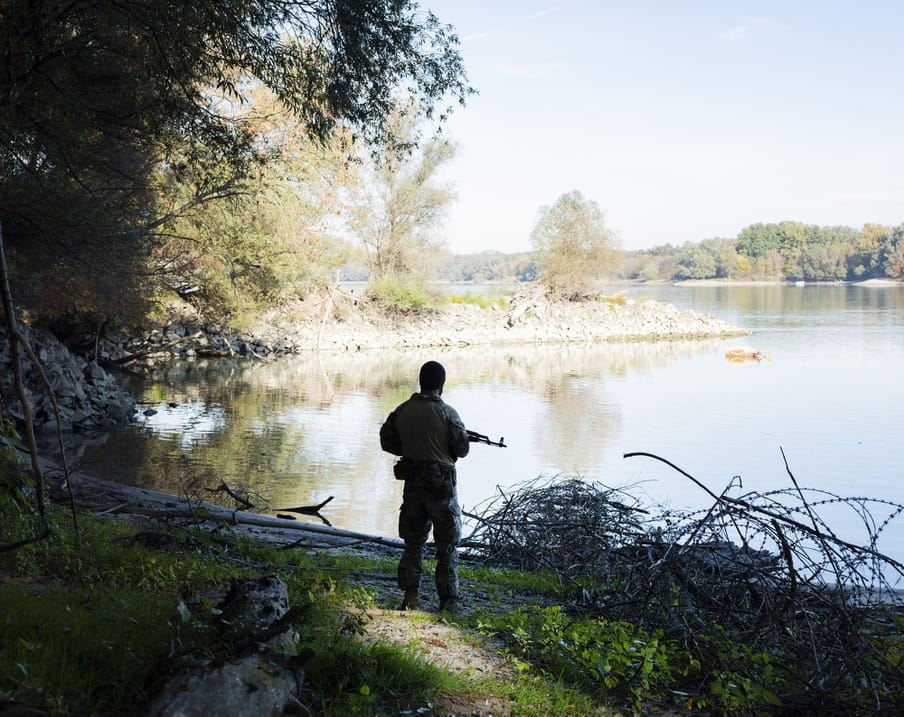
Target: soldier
pixel 430 437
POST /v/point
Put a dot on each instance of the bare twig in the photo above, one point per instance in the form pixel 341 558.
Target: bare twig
pixel 746 566
pixel 242 501
pixel 15 339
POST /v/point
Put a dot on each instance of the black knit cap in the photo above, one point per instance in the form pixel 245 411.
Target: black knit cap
pixel 433 376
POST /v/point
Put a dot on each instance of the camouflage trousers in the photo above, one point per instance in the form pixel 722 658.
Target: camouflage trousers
pixel 428 504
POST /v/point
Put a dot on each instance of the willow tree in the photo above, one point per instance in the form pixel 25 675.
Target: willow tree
pixel 575 249
pixel 97 95
pixel 272 232
pixel 401 201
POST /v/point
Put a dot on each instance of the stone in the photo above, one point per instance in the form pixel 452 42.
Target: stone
pixel 253 603
pixel 254 685
pixel 93 372
pixel 266 681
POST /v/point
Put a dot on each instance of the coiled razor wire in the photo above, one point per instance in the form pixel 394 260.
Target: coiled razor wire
pixel 766 567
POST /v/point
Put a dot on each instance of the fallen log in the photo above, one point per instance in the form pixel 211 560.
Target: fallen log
pixel 206 512
pixel 117 499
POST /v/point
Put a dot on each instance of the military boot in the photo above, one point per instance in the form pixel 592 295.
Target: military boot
pixel 450 606
pixel 411 601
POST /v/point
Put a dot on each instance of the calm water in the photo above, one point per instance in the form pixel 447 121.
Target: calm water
pixel 299 429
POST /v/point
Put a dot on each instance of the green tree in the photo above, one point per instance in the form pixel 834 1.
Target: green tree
pixel 864 261
pixel 796 238
pixel 696 262
pixel 891 254
pixel 707 259
pixel 770 265
pixel 822 262
pixel 97 95
pixel 576 250
pixel 272 229
pixel 757 239
pixel 401 202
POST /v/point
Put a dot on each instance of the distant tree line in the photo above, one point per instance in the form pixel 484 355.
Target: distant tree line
pixel 488 266
pixel 788 250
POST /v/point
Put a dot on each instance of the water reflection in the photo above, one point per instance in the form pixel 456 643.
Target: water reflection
pixel 298 429
pixel 302 428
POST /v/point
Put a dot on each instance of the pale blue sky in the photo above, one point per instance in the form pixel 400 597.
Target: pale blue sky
pixel 682 120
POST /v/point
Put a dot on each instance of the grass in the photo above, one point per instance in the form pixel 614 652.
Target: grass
pixel 99 628
pixel 480 300
pixel 65 649
pixel 402 294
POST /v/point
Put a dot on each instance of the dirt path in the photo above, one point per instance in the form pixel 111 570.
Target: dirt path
pixel 443 643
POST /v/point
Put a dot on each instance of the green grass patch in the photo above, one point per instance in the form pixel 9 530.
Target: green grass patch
pixel 354 677
pixel 484 302
pixel 80 652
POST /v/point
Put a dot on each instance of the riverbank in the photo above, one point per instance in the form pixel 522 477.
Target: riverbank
pixel 89 396
pixel 349 322
pixel 781 282
pixel 103 628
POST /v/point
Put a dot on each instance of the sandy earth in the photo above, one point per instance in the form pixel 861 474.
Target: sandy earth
pixel 444 644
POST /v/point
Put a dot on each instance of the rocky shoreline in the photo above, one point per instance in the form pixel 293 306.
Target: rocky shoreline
pixel 528 318
pixel 90 397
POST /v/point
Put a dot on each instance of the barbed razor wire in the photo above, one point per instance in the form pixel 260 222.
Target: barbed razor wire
pixel 765 567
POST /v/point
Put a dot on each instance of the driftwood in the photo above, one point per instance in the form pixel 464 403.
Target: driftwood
pixel 307 510
pixel 245 500
pixel 241 500
pixel 105 497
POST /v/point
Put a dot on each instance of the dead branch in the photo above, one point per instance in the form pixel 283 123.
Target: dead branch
pixel 815 532
pixel 242 501
pixel 307 509
pixel 310 510
pixel 765 568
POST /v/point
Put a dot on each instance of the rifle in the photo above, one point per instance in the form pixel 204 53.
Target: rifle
pixel 480 438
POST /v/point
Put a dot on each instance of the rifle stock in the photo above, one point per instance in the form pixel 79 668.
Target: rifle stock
pixel 475 437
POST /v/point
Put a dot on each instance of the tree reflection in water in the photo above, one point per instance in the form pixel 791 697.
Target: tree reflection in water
pixel 295 430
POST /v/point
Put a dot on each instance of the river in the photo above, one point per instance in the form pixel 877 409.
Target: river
pixel 298 429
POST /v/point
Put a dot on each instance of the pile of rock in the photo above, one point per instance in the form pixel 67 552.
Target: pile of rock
pixel 528 318
pixel 346 323
pixel 87 395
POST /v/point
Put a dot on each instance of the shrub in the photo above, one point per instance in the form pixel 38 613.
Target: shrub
pixel 480 300
pixel 405 294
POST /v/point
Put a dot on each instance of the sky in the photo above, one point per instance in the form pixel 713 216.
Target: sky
pixel 683 120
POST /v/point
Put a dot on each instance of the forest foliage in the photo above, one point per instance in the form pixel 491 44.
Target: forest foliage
pixel 788 250
pixel 206 148
pixel 783 251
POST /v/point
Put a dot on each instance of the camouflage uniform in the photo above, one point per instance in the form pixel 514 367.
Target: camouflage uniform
pixel 430 437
